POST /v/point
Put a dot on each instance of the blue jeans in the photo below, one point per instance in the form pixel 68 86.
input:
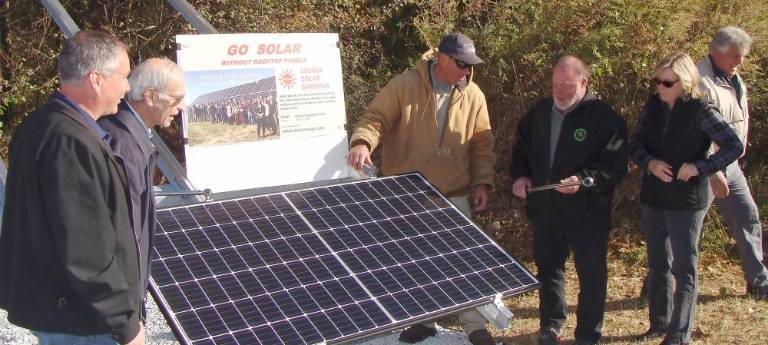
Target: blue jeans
pixel 740 213
pixel 676 232
pixel 46 338
pixel 471 319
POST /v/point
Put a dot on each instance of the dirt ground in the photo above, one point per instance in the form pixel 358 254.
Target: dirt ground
pixel 724 314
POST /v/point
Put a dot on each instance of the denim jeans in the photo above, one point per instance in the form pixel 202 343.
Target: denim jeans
pixel 676 232
pixel 740 213
pixel 46 338
pixel 471 320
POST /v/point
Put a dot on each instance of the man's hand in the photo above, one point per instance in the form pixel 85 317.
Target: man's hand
pixel 480 200
pixel 660 169
pixel 139 338
pixel 719 185
pixel 358 156
pixel 571 189
pixel 520 187
pixel 687 170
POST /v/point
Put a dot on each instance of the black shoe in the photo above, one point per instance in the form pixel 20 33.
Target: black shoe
pixel 415 334
pixel 548 336
pixel 584 342
pixel 481 337
pixel 652 333
pixel 758 292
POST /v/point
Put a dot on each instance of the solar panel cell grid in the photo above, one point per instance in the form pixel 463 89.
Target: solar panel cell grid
pixel 323 264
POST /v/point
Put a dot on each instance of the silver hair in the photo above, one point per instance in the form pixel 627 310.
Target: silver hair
pixel 151 74
pixel 731 36
pixel 89 51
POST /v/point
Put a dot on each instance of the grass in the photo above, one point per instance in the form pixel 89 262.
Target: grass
pixel 724 315
pixel 207 134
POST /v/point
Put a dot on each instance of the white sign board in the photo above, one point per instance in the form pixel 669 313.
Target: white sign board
pixel 262 109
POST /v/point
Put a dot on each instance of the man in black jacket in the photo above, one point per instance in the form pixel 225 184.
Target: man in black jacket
pixel 156 96
pixel 567 138
pixel 68 255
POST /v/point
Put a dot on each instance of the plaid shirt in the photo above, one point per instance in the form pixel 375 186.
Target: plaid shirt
pixel 712 124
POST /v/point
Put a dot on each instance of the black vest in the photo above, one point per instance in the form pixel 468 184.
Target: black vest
pixel 675 137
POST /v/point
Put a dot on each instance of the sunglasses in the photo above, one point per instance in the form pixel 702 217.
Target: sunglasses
pixel 461 64
pixel 666 83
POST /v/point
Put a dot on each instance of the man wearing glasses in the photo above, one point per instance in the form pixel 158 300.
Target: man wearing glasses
pixel 569 137
pixel 433 119
pixel 156 96
pixel 724 87
pixel 68 255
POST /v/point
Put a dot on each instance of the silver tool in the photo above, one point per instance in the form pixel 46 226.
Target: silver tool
pixel 587 182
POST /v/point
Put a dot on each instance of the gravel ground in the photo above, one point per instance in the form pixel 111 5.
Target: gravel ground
pixel 158 333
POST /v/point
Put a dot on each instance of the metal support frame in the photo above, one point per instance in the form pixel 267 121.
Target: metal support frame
pixel 61 17
pixel 171 168
pixel 193 17
pixel 496 312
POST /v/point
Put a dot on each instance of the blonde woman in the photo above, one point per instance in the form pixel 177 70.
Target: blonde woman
pixel 673 134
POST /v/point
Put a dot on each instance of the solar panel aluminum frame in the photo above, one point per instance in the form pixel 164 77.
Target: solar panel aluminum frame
pixel 393 324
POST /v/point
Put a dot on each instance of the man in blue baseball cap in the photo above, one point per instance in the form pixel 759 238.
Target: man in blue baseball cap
pixel 433 119
pixel 459 47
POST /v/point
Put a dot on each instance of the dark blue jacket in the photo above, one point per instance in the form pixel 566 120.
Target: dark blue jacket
pixel 131 141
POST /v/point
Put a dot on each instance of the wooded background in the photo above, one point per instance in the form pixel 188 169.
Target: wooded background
pixel 518 39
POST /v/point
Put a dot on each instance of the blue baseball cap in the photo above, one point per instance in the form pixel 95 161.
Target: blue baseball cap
pixel 460 47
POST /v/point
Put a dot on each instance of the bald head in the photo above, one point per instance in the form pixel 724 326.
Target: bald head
pixel 573 64
pixel 569 81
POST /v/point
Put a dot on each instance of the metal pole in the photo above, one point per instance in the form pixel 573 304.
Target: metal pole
pixel 61 17
pixel 193 17
pixel 167 163
pixel 171 167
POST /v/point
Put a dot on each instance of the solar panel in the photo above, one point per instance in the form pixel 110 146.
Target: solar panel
pixel 324 264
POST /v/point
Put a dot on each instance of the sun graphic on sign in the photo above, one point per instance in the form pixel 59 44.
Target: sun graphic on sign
pixel 287 79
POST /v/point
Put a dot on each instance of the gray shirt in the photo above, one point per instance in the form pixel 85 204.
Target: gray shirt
pixel 442 94
pixel 557 116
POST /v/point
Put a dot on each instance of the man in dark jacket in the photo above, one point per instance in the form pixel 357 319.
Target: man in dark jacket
pixel 570 137
pixel 156 96
pixel 68 255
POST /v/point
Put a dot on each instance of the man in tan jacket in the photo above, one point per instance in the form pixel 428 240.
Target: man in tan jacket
pixel 727 91
pixel 433 119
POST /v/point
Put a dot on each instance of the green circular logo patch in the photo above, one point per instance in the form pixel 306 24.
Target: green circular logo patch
pixel 580 134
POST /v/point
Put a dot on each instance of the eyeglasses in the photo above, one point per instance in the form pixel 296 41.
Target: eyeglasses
pixel 666 83
pixel 461 64
pixel 174 99
pixel 107 75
